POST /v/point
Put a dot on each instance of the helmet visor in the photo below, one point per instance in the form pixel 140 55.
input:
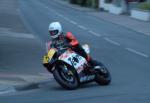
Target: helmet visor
pixel 53 32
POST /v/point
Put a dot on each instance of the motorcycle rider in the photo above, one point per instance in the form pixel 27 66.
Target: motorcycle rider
pixel 58 37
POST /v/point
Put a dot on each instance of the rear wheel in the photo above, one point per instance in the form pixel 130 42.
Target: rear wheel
pixel 65 77
pixel 103 76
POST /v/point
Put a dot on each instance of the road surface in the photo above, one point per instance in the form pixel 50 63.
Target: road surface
pixel 125 52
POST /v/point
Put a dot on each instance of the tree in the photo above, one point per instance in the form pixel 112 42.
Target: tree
pixel 83 2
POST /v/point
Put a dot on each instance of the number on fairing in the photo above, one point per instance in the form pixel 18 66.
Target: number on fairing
pixel 75 59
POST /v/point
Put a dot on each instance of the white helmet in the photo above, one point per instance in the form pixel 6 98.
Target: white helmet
pixel 55 29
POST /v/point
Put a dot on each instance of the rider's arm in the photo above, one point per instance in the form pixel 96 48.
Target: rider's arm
pixel 73 41
pixel 48 46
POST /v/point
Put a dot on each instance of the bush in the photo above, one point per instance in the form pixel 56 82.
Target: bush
pixel 144 6
pixel 108 1
pixel 73 1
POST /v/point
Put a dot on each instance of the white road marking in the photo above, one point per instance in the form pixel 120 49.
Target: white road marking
pixel 20 79
pixel 137 52
pixel 112 42
pixel 49 75
pixel 9 89
pixel 17 35
pixel 73 22
pixel 143 32
pixel 11 82
pixel 94 33
pixel 5 29
pixel 59 14
pixel 82 27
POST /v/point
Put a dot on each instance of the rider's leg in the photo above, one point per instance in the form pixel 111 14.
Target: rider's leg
pixel 78 49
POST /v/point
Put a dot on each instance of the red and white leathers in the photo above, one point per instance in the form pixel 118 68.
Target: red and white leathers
pixel 76 46
pixel 74 43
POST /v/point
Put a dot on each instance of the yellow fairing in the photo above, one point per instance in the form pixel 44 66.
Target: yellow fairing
pixel 49 55
pixel 45 59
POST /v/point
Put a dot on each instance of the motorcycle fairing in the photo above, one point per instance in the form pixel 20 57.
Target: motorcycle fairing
pixel 47 58
pixel 73 59
pixel 78 62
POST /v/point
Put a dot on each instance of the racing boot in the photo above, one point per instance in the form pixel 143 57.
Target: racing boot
pixel 92 65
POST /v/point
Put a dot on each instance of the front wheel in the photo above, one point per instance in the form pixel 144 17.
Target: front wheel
pixel 65 77
pixel 103 76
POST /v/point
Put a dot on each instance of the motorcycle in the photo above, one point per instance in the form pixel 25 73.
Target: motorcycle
pixel 71 70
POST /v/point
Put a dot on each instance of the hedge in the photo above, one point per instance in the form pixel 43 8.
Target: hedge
pixel 144 6
pixel 86 3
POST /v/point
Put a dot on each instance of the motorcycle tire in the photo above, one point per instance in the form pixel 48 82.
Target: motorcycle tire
pixel 70 85
pixel 103 78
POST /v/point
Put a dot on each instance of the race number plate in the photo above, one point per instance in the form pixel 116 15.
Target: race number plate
pixel 73 59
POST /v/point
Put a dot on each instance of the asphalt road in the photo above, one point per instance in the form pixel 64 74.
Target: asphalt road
pixel 18 47
pixel 125 52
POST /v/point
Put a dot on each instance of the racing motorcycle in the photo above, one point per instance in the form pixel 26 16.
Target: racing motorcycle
pixel 71 70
